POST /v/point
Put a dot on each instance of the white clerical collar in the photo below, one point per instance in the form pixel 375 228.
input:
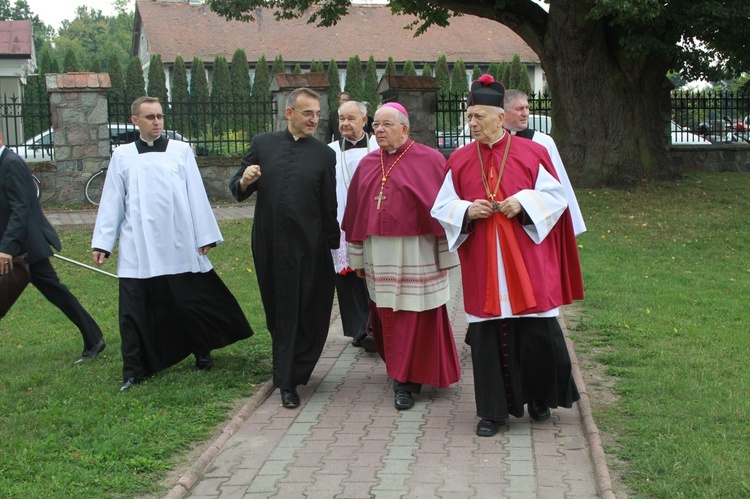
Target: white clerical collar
pixel 498 140
pixel 150 144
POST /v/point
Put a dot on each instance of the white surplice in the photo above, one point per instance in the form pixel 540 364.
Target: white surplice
pixel 346 164
pixel 166 218
pixel 579 226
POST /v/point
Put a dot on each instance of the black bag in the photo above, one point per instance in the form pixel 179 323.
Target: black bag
pixel 13 283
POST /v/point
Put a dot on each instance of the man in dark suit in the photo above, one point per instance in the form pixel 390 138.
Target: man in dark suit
pixel 25 229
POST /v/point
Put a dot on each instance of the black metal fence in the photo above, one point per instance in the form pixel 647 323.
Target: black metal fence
pixel 226 128
pixel 452 130
pixel 213 128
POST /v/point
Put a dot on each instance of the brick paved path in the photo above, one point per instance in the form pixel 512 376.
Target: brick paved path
pixel 346 440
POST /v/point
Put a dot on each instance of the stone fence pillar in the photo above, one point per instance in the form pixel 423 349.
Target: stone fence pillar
pixel 80 120
pixel 418 94
pixel 284 83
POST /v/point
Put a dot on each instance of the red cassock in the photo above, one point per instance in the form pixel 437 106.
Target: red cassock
pixel 541 277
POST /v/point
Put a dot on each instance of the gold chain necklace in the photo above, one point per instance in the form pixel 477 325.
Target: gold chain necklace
pixel 384 179
pixel 491 195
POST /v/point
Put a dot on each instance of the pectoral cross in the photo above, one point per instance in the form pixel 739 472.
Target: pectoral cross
pixel 379 198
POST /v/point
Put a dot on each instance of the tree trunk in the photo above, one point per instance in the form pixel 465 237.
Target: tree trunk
pixel 610 112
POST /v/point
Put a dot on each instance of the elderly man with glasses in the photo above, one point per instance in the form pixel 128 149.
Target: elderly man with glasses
pixel 402 253
pixel 294 229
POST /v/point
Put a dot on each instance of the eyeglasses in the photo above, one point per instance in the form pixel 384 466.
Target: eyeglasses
pixel 152 117
pixel 308 114
pixel 384 124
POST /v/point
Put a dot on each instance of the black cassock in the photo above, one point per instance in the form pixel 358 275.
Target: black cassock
pixel 294 229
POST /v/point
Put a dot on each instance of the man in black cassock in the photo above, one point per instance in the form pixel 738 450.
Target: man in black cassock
pixel 294 229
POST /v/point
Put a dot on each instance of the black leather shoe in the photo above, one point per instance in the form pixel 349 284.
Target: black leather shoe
pixel 369 344
pixel 359 340
pixel 289 398
pixel 92 352
pixel 130 383
pixel 204 362
pixel 538 410
pixel 488 428
pixel 404 400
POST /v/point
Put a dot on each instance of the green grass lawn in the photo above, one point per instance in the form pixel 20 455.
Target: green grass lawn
pixel 667 278
pixel 67 431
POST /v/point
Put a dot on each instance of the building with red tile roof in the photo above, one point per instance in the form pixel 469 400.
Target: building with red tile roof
pixel 191 29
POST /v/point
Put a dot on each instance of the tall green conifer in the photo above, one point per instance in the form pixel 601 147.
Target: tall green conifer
pixel 200 100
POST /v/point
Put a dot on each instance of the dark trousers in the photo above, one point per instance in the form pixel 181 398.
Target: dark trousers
pixel 44 278
pixel 354 303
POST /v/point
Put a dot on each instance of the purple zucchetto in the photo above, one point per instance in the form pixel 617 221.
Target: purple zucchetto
pixel 397 107
pixel 486 92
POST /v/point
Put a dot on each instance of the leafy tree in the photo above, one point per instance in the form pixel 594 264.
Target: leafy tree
pixel 36 106
pixel 261 119
pixel 334 88
pixel 409 69
pixel 426 70
pixel 618 51
pixel 317 67
pixel 278 66
pixel 135 85
pixel 94 66
pixel 180 98
pixel 95 37
pixel 476 73
pixel 119 107
pixel 297 69
pixel 157 81
pixel 221 96
pixel 443 75
pixel 70 65
pixel 371 94
pixel 354 83
pixel 505 73
pixel 47 62
pixel 390 67
pixel 519 76
pixel 494 70
pixel 240 75
pixel 459 85
pixel 200 100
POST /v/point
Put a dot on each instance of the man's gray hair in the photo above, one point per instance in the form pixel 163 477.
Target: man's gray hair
pixel 513 95
pixel 140 100
pixel 360 106
pixel 291 101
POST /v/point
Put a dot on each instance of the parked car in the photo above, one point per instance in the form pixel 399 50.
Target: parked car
pixel 680 136
pixel 40 147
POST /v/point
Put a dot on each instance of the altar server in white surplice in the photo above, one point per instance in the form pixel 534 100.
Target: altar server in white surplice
pixel 172 302
pixel 351 290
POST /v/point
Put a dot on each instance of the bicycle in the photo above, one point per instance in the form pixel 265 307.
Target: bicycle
pixel 94 186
